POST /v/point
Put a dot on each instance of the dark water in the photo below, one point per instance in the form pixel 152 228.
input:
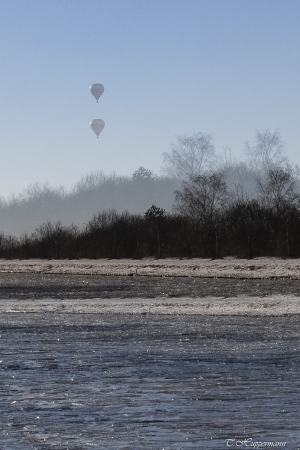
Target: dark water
pixel 148 382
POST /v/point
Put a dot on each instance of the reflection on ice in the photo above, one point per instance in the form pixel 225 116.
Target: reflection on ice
pixel 123 381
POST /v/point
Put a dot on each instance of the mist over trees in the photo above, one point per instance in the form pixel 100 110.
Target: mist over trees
pixel 205 205
pixel 267 152
pixel 93 193
pixel 190 156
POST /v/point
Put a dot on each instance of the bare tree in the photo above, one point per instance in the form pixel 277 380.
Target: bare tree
pixel 279 188
pixel 156 217
pixel 25 244
pixel 10 243
pixel 90 182
pixel 43 193
pixel 190 157
pixel 239 175
pixel 244 220
pixel 266 153
pixel 203 198
pixel 72 234
pixel 50 237
pixel 279 192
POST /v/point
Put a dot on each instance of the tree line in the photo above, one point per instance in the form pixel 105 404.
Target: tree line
pixel 207 222
pixel 94 192
pixel 189 156
pixel 221 207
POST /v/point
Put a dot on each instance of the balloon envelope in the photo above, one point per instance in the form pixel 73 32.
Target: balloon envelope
pixel 97 126
pixel 97 90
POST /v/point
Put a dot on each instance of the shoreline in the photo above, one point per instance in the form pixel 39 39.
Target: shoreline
pixel 257 268
pixel 26 288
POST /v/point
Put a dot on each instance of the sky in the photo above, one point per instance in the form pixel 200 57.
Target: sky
pixel 169 68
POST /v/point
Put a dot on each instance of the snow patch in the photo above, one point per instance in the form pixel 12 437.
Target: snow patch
pixel 222 268
pixel 208 306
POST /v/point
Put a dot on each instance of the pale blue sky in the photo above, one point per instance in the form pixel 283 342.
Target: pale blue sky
pixel 169 68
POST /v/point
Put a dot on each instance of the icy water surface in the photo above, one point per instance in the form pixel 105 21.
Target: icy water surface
pixel 37 285
pixel 79 381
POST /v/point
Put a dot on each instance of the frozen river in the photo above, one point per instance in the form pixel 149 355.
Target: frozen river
pixel 71 378
pixel 77 286
pixel 79 381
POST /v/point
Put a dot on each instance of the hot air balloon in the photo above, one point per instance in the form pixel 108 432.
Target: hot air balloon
pixel 97 90
pixel 97 126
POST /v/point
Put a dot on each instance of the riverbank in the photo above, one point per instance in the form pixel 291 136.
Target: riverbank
pixel 263 286
pixel 207 306
pixel 258 268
